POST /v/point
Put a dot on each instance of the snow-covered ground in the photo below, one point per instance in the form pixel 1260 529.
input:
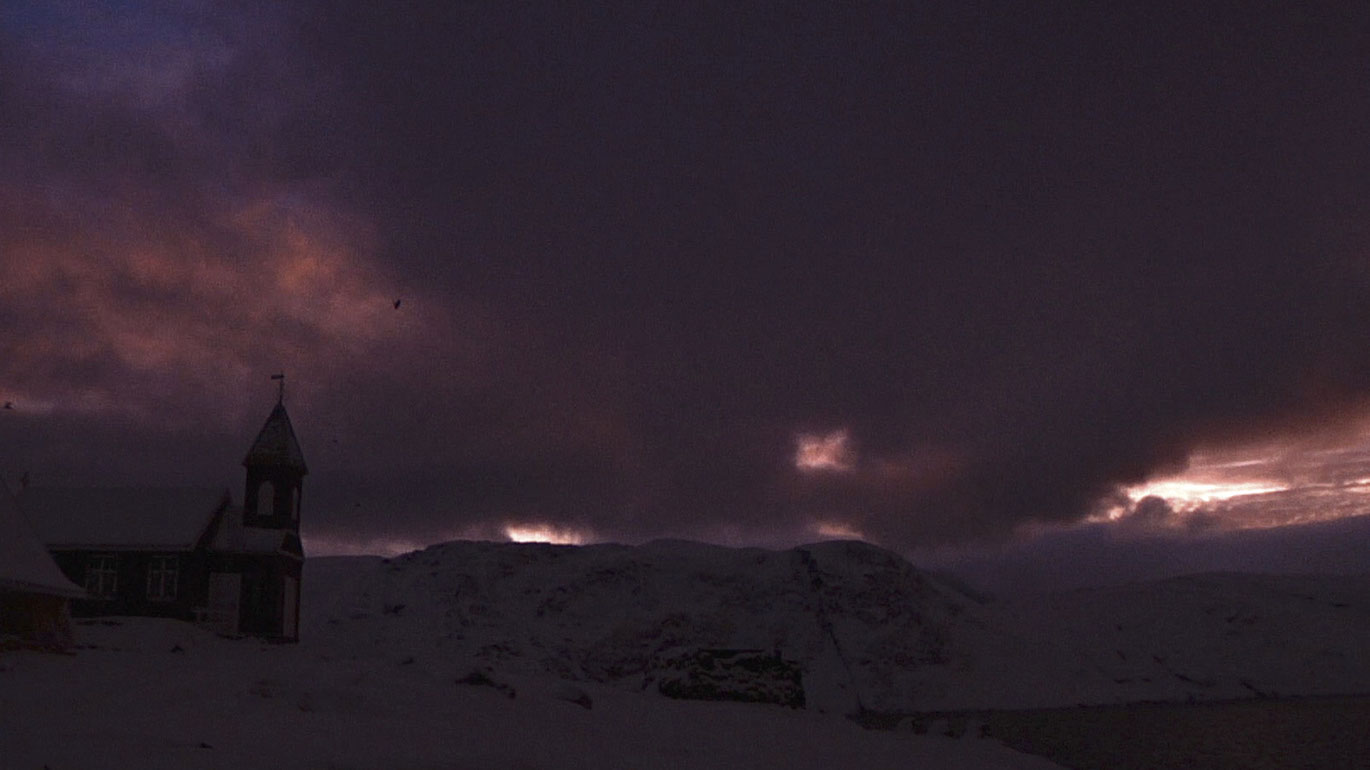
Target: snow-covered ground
pixel 160 694
pixel 377 680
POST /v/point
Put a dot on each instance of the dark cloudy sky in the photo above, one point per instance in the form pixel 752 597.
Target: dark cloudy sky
pixel 982 266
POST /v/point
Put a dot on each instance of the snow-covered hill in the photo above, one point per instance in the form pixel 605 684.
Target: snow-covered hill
pixel 870 630
pixel 863 622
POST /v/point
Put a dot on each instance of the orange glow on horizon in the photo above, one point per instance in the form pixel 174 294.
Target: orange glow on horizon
pixel 545 533
pixel 838 531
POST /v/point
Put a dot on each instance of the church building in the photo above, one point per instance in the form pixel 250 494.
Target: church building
pixel 187 553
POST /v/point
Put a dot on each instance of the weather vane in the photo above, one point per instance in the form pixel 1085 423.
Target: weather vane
pixel 280 391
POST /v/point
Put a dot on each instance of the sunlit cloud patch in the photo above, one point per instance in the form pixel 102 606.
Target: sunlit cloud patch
pixel 279 285
pixel 1278 483
pixel 1187 494
pixel 824 452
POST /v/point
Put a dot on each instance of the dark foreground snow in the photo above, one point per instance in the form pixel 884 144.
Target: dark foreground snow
pixel 482 655
pixel 161 694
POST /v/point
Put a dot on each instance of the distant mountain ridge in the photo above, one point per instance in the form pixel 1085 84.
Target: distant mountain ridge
pixel 870 630
pixel 1101 554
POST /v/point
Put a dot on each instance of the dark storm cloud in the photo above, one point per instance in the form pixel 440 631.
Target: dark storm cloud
pixel 1020 253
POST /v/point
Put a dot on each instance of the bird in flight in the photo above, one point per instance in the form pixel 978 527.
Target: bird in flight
pixel 397 304
pixel 9 404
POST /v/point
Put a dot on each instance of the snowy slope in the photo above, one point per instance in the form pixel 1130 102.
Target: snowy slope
pixel 870 630
pixel 1213 636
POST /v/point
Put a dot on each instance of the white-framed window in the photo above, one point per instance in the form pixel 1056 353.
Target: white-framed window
pixel 161 578
pixel 102 576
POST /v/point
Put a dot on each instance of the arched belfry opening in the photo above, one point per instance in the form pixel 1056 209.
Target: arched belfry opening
pixel 265 500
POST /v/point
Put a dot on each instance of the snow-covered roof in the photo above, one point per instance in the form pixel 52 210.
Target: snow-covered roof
pixel 170 519
pixel 25 564
pixel 276 443
pixel 233 537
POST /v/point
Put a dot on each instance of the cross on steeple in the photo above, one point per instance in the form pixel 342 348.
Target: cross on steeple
pixel 280 391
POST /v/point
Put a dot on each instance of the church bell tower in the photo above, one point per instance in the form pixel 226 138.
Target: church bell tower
pixel 275 469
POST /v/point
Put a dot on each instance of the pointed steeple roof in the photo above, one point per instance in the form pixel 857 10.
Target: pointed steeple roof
pixel 276 443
